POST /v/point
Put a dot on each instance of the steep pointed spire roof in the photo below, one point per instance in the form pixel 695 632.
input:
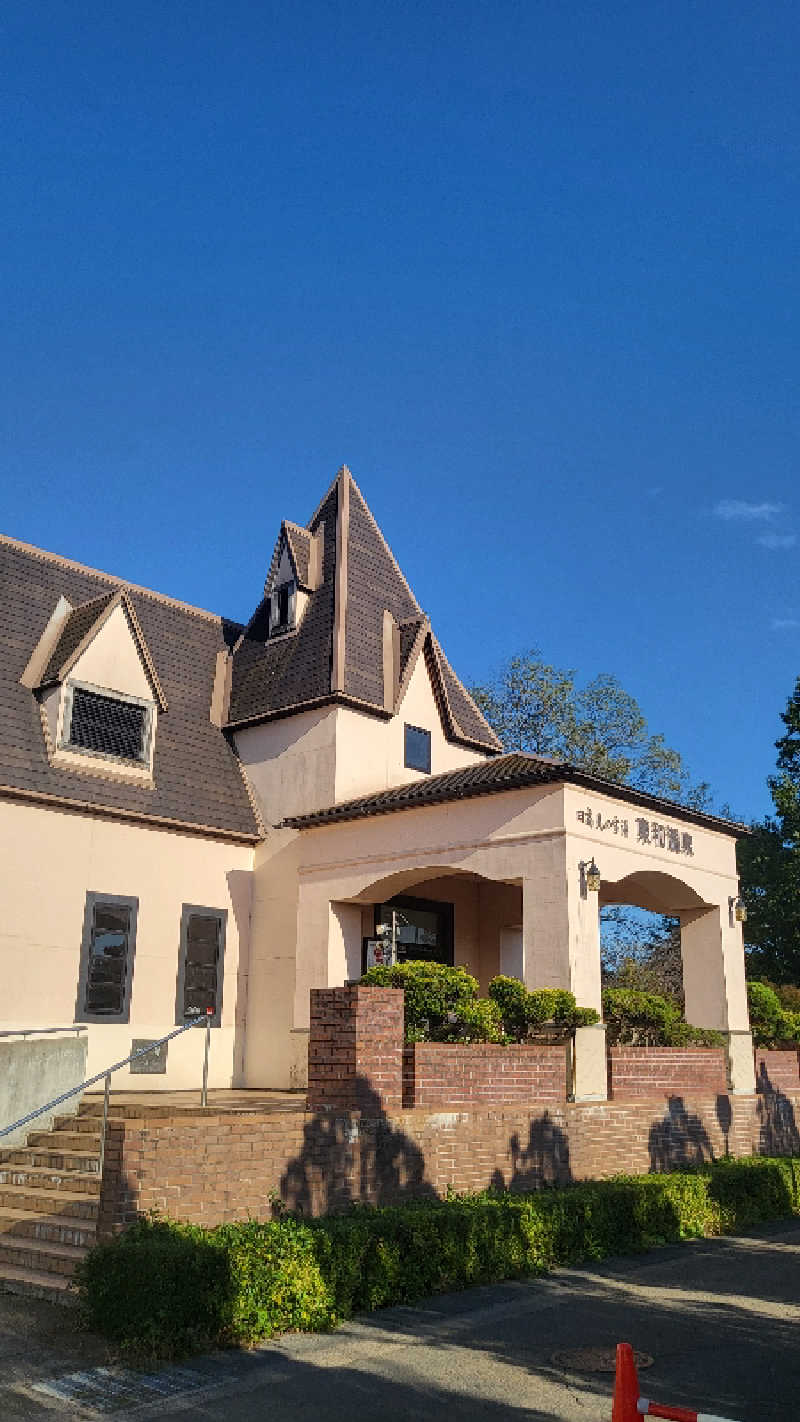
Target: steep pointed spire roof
pixel 336 653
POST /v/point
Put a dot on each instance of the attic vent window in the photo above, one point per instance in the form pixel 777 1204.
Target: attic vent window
pixel 281 606
pixel 100 724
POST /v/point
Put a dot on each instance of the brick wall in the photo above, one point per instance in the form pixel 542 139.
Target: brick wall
pixel 445 1074
pixel 355 1049
pixel 777 1070
pixel 635 1072
pixel 217 1168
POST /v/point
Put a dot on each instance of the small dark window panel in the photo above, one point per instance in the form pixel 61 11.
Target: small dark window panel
pixel 418 749
pixel 201 962
pixel 280 603
pixel 105 725
pixel 106 973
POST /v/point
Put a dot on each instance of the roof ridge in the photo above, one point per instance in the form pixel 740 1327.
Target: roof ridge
pixel 379 531
pixel 441 653
pixel 48 557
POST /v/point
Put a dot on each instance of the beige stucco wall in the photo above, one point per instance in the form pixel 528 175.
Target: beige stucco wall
pixel 291 764
pixel 50 859
pixel 477 854
pixel 694 887
pixel 370 753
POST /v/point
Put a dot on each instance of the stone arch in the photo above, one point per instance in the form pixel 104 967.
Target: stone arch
pixel 655 890
pixel 487 913
pixel 701 930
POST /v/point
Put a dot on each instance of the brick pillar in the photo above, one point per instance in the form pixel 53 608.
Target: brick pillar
pixel 355 1050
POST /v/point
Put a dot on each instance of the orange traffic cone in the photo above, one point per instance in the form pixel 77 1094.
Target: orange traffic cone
pixel 626 1387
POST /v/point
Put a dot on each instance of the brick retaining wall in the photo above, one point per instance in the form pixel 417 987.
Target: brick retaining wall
pixel 635 1072
pixel 779 1070
pixel 355 1049
pixel 482 1074
pixel 228 1167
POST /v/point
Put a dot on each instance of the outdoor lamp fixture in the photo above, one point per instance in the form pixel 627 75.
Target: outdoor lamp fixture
pixel 737 910
pixel 590 877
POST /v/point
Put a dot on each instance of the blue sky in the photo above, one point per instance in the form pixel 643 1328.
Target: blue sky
pixel 529 269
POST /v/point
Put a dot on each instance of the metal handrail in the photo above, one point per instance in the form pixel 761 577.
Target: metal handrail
pixel 40 1031
pixel 90 1081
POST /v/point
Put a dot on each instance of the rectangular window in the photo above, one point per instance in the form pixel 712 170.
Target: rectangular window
pixel 106 971
pixel 201 963
pixel 422 928
pixel 107 725
pixel 418 749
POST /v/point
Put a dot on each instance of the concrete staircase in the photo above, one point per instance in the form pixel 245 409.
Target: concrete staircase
pixel 49 1205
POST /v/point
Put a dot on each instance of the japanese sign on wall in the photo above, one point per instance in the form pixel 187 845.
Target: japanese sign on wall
pixel 651 832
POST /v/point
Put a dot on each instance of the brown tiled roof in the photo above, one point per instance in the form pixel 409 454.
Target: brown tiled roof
pixel 77 626
pixel 292 671
pixel 198 782
pixel 490 777
pixel 336 654
pixel 299 541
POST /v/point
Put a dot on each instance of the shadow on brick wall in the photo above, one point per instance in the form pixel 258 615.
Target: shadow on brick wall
pixel 544 1161
pixel 679 1140
pixel 778 1134
pixel 354 1157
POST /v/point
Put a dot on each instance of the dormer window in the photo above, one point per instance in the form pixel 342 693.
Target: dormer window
pixel 282 606
pixel 101 723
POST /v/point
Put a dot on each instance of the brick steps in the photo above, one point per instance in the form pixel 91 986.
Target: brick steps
pixel 49 1204
pixel 54 1229
pixel 39 1176
pixel 35 1283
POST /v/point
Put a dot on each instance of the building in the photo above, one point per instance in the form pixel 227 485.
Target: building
pixel 195 814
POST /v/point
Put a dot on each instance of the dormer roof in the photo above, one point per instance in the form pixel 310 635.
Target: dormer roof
pixel 336 654
pixel 197 782
pixel 82 626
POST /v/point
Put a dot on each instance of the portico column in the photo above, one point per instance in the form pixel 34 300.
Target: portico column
pixel 561 948
pixel 714 985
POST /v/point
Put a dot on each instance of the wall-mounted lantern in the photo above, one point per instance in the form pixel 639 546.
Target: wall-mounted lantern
pixel 737 910
pixel 590 877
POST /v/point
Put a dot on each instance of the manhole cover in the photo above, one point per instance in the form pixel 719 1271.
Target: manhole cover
pixel 595 1360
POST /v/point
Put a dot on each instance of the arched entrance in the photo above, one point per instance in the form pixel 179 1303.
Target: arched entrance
pixel 442 915
pixel 701 937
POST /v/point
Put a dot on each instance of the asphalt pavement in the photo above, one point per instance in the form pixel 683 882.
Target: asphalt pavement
pixel 718 1318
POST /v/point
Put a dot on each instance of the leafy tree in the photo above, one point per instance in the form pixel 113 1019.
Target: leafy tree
pixel 642 953
pixel 769 864
pixel 599 727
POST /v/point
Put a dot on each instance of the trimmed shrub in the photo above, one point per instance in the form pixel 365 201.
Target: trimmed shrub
pixel 164 1289
pixel 772 1024
pixel 523 1011
pixel 435 996
pixel 643 1019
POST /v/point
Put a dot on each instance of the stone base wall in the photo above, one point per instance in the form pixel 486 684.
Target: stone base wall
pixel 459 1076
pixel 230 1167
pixel 649 1071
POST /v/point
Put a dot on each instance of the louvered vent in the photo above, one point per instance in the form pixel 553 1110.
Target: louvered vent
pixel 108 726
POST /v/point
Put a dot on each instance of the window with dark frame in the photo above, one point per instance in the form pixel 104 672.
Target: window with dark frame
pixel 417 749
pixel 106 973
pixel 201 963
pixel 107 725
pixel 423 928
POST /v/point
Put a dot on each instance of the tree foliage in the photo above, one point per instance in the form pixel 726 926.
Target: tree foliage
pixel 599 727
pixel 769 864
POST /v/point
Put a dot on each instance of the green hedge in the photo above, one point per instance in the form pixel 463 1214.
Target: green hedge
pixel 644 1019
pixel 163 1289
pixel 442 1004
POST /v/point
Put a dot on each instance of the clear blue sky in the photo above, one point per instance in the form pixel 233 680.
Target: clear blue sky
pixel 531 270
